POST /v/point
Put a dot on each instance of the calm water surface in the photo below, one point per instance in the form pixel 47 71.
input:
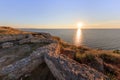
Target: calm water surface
pixel 95 38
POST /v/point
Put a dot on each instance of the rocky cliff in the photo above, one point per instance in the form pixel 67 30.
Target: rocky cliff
pixel 40 56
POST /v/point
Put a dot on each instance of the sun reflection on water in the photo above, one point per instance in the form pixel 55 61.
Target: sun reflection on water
pixel 78 37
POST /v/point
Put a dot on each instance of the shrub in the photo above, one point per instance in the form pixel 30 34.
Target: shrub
pixel 90 57
pixel 116 51
pixel 78 56
pixel 108 58
pixel 87 57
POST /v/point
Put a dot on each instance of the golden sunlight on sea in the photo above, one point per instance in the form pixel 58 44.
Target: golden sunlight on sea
pixel 78 35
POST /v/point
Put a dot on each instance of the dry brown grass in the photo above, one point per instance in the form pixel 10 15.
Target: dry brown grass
pixel 8 30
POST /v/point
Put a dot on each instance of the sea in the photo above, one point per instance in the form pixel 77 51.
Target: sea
pixel 108 39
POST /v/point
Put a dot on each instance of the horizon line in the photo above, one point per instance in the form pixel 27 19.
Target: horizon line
pixel 59 27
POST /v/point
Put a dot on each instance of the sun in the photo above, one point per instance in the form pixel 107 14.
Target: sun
pixel 79 25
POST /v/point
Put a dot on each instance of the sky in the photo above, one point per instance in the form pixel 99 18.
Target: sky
pixel 60 13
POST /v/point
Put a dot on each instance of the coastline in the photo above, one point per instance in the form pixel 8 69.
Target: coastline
pixel 103 63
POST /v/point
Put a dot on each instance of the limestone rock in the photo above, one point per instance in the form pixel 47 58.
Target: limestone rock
pixel 27 40
pixel 7 44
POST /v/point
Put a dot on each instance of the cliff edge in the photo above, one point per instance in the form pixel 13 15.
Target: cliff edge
pixel 41 56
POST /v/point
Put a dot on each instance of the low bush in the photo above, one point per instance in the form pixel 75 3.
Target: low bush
pixel 116 51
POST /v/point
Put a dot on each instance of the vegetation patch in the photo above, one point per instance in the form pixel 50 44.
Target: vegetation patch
pixel 116 51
